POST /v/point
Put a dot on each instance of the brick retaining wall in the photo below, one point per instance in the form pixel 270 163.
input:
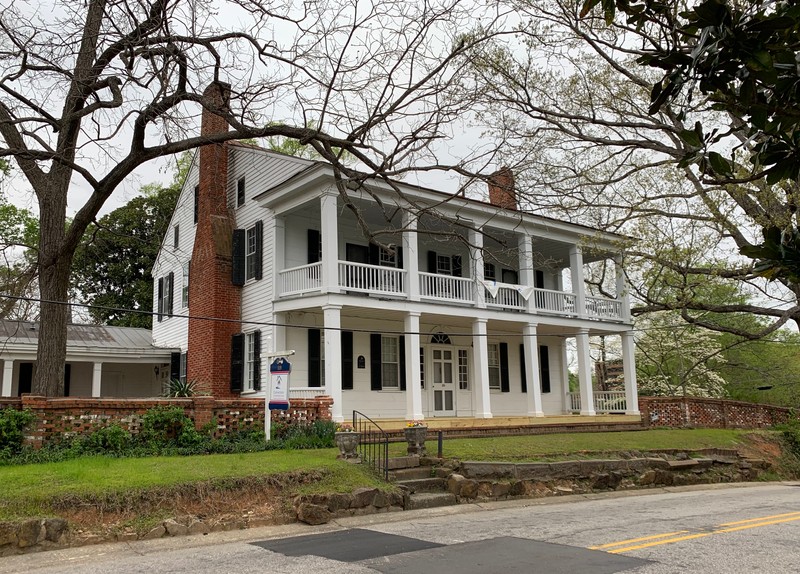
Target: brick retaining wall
pixel 709 413
pixel 63 417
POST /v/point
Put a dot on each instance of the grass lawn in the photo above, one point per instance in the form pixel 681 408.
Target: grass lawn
pixel 550 446
pixel 27 489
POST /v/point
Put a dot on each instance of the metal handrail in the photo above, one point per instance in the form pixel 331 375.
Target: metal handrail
pixel 373 446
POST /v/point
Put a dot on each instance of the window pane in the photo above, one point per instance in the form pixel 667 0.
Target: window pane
pixel 250 254
pixel 463 370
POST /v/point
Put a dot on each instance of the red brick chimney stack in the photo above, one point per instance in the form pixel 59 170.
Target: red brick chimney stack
pixel 211 293
pixel 501 189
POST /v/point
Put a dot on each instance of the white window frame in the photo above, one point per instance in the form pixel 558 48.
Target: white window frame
pixel 185 286
pixel 250 253
pixel 387 259
pixel 165 294
pixel 462 357
pixel 390 362
pixel 183 366
pixel 444 265
pixel 493 360
pixel 176 236
pixel 249 360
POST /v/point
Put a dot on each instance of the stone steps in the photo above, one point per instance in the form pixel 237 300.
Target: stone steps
pixel 430 484
pixel 431 500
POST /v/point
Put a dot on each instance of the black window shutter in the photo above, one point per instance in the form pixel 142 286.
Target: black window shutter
pixel 238 262
pixel 374 254
pixel 237 362
pixel 174 366
pixel 538 279
pixel 347 360
pixel 196 202
pixel 431 262
pixel 160 304
pixel 456 265
pixel 170 284
pixel 544 365
pixel 505 385
pixel 259 248
pixel 375 362
pixel 313 246
pixel 399 257
pixel 314 358
pixel 67 378
pixel 402 363
pixel 257 361
pixel 522 370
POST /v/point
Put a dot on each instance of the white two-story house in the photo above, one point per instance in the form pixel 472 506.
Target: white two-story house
pixel 398 301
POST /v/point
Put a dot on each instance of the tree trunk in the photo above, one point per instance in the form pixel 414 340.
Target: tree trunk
pixel 53 286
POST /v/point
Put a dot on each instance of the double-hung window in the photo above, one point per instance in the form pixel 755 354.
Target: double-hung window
pixel 185 287
pixel 251 253
pixel 463 370
pixel 390 362
pixel 494 366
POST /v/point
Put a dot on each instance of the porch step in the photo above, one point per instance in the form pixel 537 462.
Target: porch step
pixel 416 485
pixel 400 462
pixel 403 474
pixel 431 500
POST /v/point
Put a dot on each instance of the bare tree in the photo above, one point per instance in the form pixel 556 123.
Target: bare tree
pixel 91 90
pixel 570 106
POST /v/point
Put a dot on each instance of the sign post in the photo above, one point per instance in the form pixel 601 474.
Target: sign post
pixel 278 396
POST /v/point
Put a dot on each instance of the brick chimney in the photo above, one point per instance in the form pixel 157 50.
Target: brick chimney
pixel 211 293
pixel 501 189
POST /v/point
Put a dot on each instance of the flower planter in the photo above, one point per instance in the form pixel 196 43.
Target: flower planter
pixel 415 437
pixel 347 442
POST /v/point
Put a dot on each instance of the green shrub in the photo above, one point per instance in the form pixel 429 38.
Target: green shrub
pixel 168 427
pixel 791 435
pixel 12 425
pixel 112 439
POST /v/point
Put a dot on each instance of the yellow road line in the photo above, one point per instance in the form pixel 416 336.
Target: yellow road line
pixel 672 537
pixel 660 542
pixel 631 540
pixel 760 519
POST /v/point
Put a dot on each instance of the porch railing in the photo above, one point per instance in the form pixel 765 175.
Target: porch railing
pixel 301 279
pixel 446 287
pixel 371 278
pixel 507 298
pixel 603 308
pixel 373 445
pixel 604 401
pixel 559 302
pixel 305 392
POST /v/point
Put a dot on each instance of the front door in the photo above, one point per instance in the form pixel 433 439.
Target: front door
pixel 443 385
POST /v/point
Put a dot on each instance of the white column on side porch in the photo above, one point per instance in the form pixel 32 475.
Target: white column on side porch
pixel 333 359
pixel 531 344
pixel 278 256
pixel 585 372
pixel 623 295
pixel 413 381
pixel 629 374
pixel 411 255
pixel 526 273
pixel 476 256
pixel 566 402
pixel 97 379
pixel 480 366
pixel 578 285
pixel 8 376
pixel 330 243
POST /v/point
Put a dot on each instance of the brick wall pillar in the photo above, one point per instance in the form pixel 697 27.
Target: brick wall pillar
pixel 203 411
pixel 38 429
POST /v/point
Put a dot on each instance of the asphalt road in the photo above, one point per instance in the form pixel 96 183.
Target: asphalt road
pixel 722 529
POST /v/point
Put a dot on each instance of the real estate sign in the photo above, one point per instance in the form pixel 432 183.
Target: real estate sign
pixel 279 384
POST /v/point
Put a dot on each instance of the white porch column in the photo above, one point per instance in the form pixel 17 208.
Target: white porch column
pixel 622 289
pixel 629 373
pixel 279 333
pixel 330 244
pixel 578 286
pixel 333 359
pixel 530 341
pixel 411 255
pixel 476 255
pixel 8 376
pixel 565 400
pixel 480 366
pixel 585 373
pixel 278 255
pixel 97 379
pixel 526 273
pixel 413 382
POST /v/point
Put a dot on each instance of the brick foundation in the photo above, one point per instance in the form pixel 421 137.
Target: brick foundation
pixel 709 413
